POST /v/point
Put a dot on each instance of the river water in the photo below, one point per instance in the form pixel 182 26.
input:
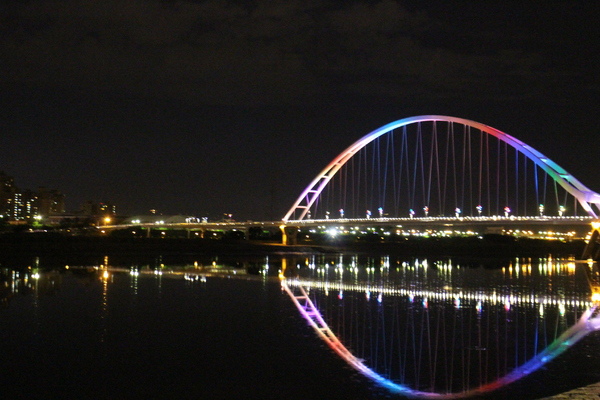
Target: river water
pixel 223 328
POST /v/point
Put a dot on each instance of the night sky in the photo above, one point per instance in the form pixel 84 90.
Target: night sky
pixel 207 107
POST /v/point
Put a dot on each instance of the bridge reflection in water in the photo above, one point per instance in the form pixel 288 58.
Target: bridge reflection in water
pixel 438 330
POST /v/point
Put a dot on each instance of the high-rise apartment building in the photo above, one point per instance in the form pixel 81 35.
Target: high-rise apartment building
pixel 7 193
pixel 18 204
pixel 92 208
pixel 50 202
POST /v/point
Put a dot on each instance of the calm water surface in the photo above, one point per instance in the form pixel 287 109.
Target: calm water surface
pixel 215 329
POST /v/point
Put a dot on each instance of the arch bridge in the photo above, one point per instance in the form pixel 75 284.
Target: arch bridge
pixel 432 168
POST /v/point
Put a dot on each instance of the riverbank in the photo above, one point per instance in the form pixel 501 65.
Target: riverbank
pixel 494 246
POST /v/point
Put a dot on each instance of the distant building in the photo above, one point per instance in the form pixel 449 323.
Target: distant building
pixel 92 208
pixel 7 194
pixel 20 205
pixel 99 213
pixel 27 205
pixel 50 202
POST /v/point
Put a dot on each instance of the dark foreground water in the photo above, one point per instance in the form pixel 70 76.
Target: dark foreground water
pixel 105 333
pixel 164 338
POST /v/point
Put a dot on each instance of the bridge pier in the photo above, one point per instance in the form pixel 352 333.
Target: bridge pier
pixel 592 248
pixel 289 235
pixel 288 267
pixel 199 233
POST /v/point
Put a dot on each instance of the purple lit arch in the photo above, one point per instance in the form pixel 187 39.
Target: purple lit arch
pixel 584 196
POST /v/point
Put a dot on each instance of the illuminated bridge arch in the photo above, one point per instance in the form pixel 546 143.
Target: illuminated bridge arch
pixel 435 165
pixel 427 387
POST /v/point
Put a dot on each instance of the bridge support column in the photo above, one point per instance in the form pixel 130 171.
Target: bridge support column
pixel 148 230
pixel 288 267
pixel 592 249
pixel 289 235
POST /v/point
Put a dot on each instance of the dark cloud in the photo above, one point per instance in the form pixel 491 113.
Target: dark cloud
pixel 273 52
pixel 214 51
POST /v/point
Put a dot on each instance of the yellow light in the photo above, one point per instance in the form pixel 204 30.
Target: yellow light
pixel 596 224
pixel 107 220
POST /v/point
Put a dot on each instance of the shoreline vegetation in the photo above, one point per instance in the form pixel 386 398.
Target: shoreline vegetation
pixel 489 246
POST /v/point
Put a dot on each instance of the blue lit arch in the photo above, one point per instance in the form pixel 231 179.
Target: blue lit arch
pixel 307 198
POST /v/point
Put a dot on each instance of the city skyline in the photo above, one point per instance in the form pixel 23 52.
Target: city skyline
pixel 205 108
pixel 18 204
